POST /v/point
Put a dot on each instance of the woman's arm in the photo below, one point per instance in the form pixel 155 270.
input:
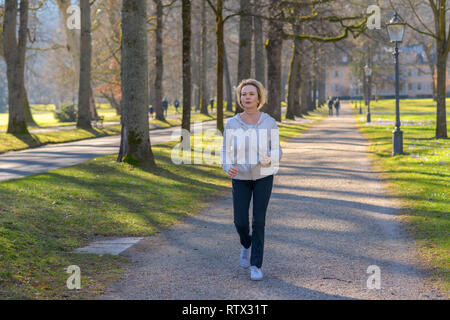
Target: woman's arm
pixel 274 142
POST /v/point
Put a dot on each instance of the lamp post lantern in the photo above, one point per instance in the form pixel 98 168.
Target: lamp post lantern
pixel 368 72
pixel 396 29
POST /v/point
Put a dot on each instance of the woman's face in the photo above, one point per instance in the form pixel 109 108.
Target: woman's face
pixel 249 97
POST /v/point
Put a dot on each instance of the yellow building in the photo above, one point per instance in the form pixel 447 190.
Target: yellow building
pixel 415 76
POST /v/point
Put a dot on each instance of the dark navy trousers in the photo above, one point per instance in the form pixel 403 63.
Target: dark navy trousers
pixel 243 190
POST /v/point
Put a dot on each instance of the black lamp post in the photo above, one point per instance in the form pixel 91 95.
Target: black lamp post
pixel 359 93
pixel 396 29
pixel 368 72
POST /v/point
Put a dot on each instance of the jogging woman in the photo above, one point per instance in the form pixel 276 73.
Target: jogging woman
pixel 250 155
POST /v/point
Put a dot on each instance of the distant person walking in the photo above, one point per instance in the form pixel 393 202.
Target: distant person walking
pixel 252 167
pixel 165 105
pixel 176 105
pixel 211 102
pixel 337 106
pixel 330 107
pixel 151 111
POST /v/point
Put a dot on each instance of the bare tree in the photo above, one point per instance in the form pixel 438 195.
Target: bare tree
pixel 274 46
pixel 136 147
pixel 159 65
pixel 218 11
pixel 14 53
pixel 227 80
pixel 186 17
pixel 258 36
pixel 245 45
pixel 295 69
pixel 73 38
pixel 84 89
pixel 293 77
pixel 27 110
pixel 435 26
pixel 203 65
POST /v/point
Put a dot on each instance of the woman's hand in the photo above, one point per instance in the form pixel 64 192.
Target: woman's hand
pixel 265 160
pixel 232 172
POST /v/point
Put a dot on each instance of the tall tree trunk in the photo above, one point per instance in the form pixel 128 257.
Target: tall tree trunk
pixel 297 95
pixel 292 91
pixel 203 56
pixel 220 61
pixel 227 81
pixel 245 46
pixel 195 68
pixel 92 109
pixel 304 87
pixel 274 47
pixel 314 95
pixel 284 81
pixel 159 66
pixel 309 96
pixel 135 83
pixel 297 98
pixel 314 80
pixel 186 17
pixel 84 91
pixel 114 102
pixel 15 63
pixel 27 110
pixel 322 77
pixel 260 65
pixel 441 117
pixel 73 46
pixel 364 89
pixel 151 84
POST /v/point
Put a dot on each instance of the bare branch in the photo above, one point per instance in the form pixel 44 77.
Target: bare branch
pixel 233 15
pixel 300 3
pixel 169 4
pixel 212 7
pixel 412 27
pixel 433 6
pixel 38 6
pixel 417 16
pixel 352 28
pixel 422 32
pixel 151 19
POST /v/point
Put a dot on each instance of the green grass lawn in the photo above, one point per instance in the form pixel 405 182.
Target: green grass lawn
pixel 410 109
pixel 10 142
pixel 44 217
pixel 46 119
pixel 419 179
pixel 43 115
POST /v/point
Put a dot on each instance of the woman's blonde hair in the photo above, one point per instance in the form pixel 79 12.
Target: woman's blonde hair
pixel 259 88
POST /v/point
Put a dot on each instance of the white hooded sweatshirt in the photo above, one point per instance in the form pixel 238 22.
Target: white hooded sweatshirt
pixel 244 145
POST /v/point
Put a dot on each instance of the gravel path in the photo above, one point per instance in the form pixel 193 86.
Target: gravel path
pixel 328 220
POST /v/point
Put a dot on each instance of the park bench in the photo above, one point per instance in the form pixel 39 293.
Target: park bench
pixel 98 122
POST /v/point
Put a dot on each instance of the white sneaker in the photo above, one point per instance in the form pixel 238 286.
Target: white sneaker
pixel 255 273
pixel 245 257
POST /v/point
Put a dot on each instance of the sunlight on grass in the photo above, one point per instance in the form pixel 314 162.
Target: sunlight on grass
pixel 410 109
pixel 43 218
pixel 420 180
